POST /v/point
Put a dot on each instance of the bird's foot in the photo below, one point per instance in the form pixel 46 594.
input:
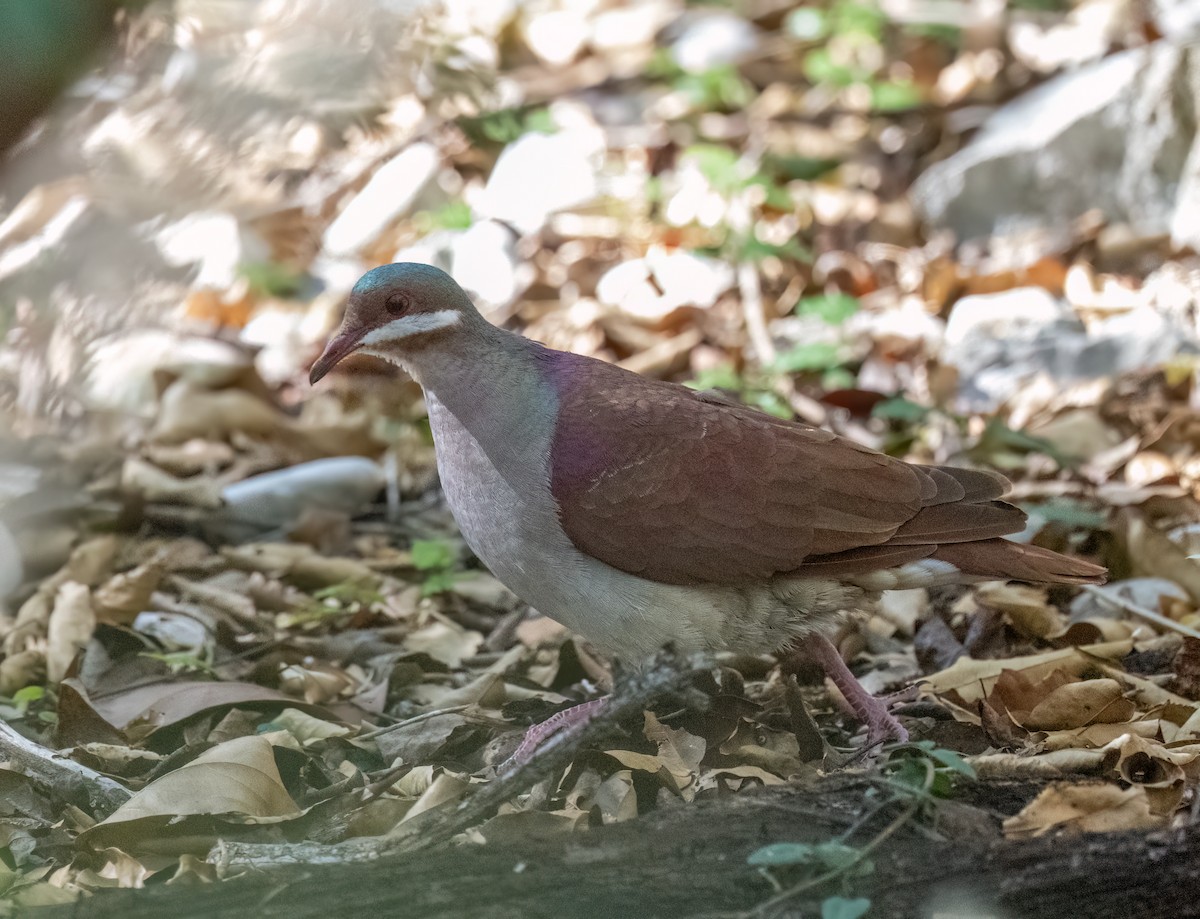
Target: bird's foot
pixel 873 712
pixel 569 719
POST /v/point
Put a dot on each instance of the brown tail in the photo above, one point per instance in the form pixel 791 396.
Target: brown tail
pixel 999 558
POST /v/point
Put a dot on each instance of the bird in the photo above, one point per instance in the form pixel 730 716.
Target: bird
pixel 641 513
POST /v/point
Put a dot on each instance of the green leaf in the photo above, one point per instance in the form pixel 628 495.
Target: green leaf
pixel 431 554
pixel 438 583
pixel 817 355
pixel 999 442
pixel 723 376
pixel 833 308
pixel 952 761
pixel 506 125
pixel 1069 513
pixel 894 96
pixel 271 279
pixel 820 68
pixel 798 168
pixel 826 856
pixel 938 31
pixel 755 250
pixel 783 853
pixel 719 89
pixel 775 195
pixel 863 19
pixel 841 908
pixel 900 409
pixel 770 403
pixel 454 215
pixel 29 694
pixel 717 164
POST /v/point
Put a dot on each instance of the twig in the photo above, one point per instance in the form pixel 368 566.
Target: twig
pixel 665 675
pixel 416 719
pixel 64 778
pixel 754 312
pixel 902 818
pixel 1143 613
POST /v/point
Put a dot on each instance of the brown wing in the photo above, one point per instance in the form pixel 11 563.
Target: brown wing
pixel 660 481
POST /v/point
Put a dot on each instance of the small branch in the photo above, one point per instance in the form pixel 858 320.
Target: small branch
pixel 1142 612
pixel 665 675
pixel 62 777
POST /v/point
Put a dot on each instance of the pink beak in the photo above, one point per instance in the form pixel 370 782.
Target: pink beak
pixel 340 346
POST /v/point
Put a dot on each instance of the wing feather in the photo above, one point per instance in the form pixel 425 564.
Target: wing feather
pixel 681 487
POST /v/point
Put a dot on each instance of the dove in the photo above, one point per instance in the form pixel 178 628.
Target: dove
pixel 640 513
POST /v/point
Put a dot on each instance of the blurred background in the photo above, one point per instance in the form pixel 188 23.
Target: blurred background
pixel 957 230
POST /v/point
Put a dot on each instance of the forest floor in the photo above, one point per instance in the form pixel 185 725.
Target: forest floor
pixel 247 660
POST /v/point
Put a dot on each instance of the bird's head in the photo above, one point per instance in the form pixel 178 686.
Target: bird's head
pixel 395 310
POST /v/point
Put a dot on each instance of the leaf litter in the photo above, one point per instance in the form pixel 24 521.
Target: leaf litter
pixel 317 657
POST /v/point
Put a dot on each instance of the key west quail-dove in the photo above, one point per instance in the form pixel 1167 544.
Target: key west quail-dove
pixel 639 513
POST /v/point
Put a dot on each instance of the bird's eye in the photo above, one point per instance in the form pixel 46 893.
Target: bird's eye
pixel 396 304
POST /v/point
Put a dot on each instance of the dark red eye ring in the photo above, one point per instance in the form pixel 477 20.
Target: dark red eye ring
pixel 396 304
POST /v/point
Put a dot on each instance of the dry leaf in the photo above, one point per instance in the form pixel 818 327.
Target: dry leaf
pixel 235 778
pixel 445 642
pixel 71 624
pixel 973 679
pixel 1026 608
pixel 1087 808
pixel 1076 705
pixel 122 597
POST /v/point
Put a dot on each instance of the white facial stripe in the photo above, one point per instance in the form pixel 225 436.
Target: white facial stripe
pixel 412 325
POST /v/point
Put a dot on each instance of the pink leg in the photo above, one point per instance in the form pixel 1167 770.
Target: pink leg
pixel 872 712
pixel 569 719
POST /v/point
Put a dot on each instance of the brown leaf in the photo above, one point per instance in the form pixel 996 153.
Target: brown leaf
pixel 1076 705
pixel 1088 808
pixel 141 710
pixel 72 622
pixel 236 777
pixel 123 596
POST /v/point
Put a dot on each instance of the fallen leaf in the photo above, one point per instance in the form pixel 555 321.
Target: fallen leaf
pixel 238 777
pixel 1083 808
pixel 71 624
pixel 1076 705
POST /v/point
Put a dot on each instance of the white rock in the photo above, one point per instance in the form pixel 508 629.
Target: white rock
pixel 215 242
pixel 556 37
pixel 539 174
pixel 664 281
pixel 120 372
pixel 1178 20
pixel 342 483
pixel 176 632
pixel 1022 312
pixel 908 321
pixel 488 17
pixel 624 282
pixel 483 259
pixel 999 341
pixel 1064 148
pixel 277 331
pixel 714 40
pixel 631 26
pixel 388 195
pixel 688 279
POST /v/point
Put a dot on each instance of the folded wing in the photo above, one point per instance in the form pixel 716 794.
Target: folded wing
pixel 666 483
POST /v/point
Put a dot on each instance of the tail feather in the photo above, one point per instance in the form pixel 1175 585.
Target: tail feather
pixel 999 558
